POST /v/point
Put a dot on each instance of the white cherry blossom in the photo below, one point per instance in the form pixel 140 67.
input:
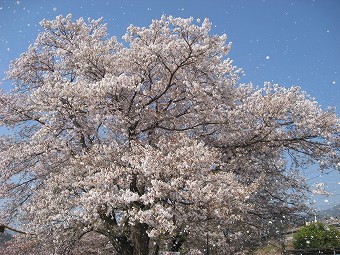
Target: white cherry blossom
pixel 151 142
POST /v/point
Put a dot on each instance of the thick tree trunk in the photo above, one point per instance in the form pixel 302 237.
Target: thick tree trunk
pixel 177 242
pixel 140 239
pixel 122 245
pixel 156 250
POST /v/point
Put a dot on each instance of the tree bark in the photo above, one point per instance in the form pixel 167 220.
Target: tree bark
pixel 122 245
pixel 140 239
pixel 177 242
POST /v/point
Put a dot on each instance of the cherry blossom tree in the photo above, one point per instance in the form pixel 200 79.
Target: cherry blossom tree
pixel 152 143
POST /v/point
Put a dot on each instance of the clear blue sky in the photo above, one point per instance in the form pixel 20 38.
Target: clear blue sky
pixel 293 42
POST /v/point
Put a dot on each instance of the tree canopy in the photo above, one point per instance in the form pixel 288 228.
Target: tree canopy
pixel 152 143
pixel 317 235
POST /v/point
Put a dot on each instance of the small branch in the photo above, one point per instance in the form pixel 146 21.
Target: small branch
pixel 3 227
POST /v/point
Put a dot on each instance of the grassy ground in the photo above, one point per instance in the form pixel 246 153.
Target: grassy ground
pixel 272 249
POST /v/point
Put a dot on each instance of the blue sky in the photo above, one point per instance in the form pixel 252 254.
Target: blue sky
pixel 293 42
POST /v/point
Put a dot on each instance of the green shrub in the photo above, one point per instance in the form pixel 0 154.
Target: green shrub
pixel 316 235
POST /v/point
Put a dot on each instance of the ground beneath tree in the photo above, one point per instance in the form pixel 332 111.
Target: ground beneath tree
pixel 272 248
